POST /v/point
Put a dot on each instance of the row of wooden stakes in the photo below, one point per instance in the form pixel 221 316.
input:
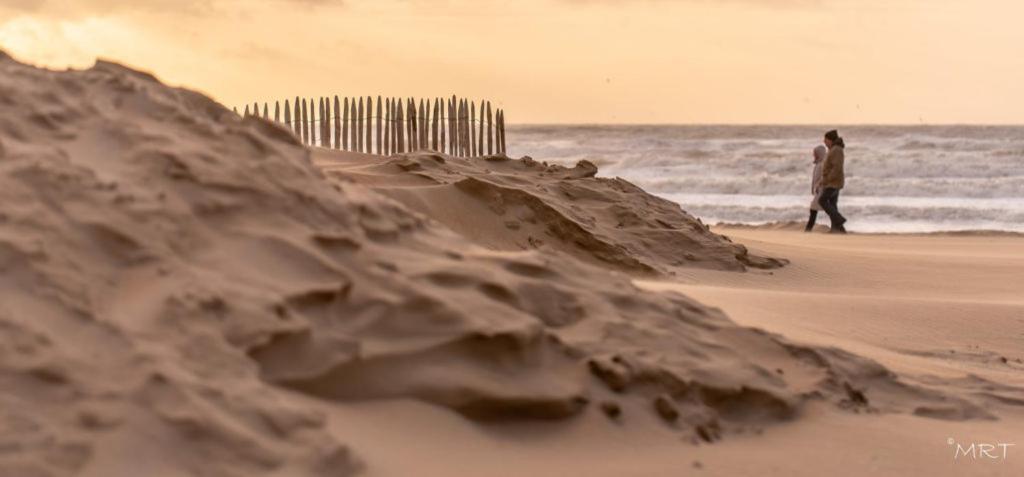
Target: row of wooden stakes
pixel 399 125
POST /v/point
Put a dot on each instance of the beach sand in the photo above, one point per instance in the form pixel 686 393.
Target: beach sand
pixel 188 292
pixel 943 308
pixel 938 308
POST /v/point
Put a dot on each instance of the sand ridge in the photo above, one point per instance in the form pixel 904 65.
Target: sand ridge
pixel 524 204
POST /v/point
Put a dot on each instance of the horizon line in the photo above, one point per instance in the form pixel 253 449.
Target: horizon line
pixel 835 125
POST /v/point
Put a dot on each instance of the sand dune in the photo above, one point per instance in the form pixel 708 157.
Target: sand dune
pixel 523 204
pixel 185 293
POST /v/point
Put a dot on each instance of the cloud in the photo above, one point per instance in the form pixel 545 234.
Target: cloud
pixel 79 8
pixel 757 3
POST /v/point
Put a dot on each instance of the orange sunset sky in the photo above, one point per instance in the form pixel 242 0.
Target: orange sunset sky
pixel 566 61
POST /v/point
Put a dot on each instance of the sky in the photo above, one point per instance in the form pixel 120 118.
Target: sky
pixel 566 61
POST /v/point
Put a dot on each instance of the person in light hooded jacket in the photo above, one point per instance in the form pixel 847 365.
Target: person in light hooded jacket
pixel 819 154
pixel 833 179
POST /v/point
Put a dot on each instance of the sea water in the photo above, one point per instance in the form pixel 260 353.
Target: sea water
pixel 898 178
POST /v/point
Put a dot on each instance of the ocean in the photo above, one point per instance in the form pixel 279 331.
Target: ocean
pixel 899 178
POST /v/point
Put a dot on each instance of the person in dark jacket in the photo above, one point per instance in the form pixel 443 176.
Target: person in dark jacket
pixel 833 179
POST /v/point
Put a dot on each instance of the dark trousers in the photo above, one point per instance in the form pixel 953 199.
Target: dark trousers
pixel 829 202
pixel 810 220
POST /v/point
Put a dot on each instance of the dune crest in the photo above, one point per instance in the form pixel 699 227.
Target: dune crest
pixel 524 204
pixel 173 273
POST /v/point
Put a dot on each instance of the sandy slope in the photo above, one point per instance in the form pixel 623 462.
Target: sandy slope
pixel 906 301
pixel 184 293
pixel 523 204
pixel 946 311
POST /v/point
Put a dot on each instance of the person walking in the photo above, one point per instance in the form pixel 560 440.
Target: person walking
pixel 818 154
pixel 833 179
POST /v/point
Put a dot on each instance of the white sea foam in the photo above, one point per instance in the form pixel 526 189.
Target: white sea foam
pixel 899 178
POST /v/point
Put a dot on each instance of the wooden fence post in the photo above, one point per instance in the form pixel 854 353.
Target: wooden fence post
pixel 287 115
pixel 455 126
pixel 265 112
pixel 400 126
pixel 362 123
pixel 355 126
pixel 310 125
pixel 464 129
pixel 353 120
pixel 419 125
pixel 424 125
pixel 296 114
pixel 305 125
pixel 300 122
pixel 344 124
pixel 424 131
pixel 456 136
pixel 325 124
pixel 410 125
pixel 504 134
pixel 402 113
pixel 277 111
pixel 394 126
pixel 468 130
pixel 459 117
pixel 368 124
pixel 337 122
pixel 380 124
pixel 320 125
pixel 433 125
pixel 391 126
pixel 458 127
pixel 387 126
pixel 420 121
pixel 403 125
pixel 480 131
pixel 422 117
pixel 472 129
pixel 368 147
pixel 440 125
pixel 417 121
